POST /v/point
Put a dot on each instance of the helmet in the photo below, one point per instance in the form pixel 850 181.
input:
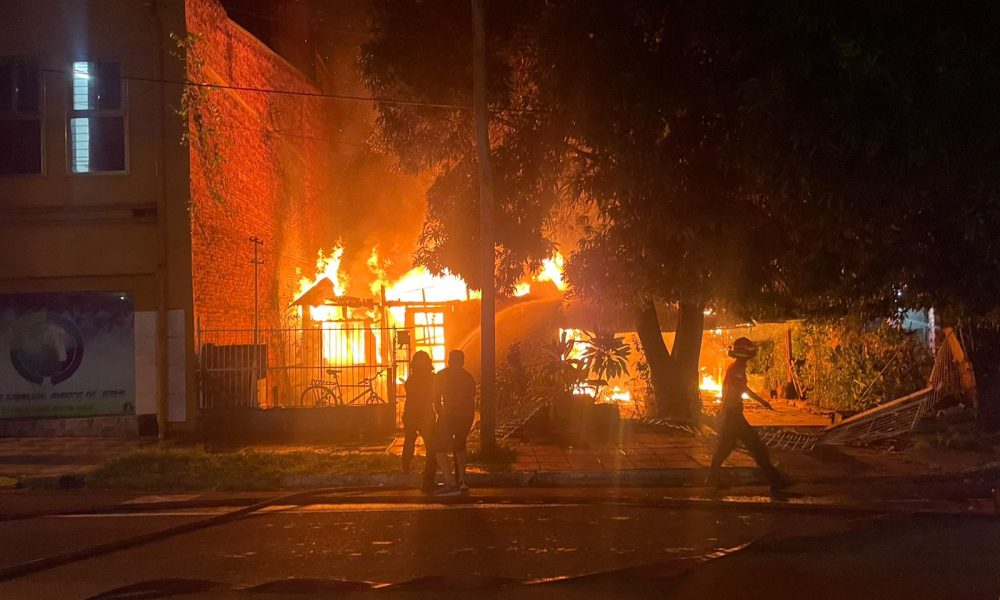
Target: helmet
pixel 743 348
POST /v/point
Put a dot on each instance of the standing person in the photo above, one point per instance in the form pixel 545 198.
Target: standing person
pixel 418 414
pixel 455 400
pixel 733 425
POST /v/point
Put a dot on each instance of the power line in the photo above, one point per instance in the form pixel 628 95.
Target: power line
pixel 320 95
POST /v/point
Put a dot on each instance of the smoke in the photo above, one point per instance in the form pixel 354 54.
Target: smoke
pixel 370 201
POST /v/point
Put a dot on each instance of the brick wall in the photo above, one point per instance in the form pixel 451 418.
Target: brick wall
pixel 267 181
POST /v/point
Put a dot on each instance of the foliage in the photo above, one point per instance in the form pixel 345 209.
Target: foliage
pixel 202 118
pixel 562 373
pixel 768 157
pixel 605 356
pixel 769 364
pixel 516 381
pixel 839 362
pixel 641 385
pixel 880 125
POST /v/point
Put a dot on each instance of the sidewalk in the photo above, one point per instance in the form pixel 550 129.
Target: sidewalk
pixel 643 457
pixel 54 457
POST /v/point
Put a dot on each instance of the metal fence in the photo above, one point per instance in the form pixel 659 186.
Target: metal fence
pixel 334 364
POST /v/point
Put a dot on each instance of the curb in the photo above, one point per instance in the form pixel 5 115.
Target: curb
pixel 629 478
pixel 65 481
pixel 536 479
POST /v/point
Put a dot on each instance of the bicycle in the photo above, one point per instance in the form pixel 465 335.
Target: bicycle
pixel 327 392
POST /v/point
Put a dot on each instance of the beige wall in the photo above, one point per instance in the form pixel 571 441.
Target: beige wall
pixel 94 225
pixel 62 232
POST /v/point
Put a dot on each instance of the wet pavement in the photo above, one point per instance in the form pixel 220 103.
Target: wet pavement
pixel 372 542
pixel 542 534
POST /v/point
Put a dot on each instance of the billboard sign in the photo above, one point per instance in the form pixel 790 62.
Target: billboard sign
pixel 66 355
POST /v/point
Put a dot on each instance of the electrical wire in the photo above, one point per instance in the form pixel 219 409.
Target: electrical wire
pixel 305 94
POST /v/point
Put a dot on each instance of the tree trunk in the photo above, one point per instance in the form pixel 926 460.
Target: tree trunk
pixel 687 353
pixel 675 376
pixel 647 327
pixel 984 352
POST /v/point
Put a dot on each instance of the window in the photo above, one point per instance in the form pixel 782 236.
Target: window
pixel 20 118
pixel 428 333
pixel 97 118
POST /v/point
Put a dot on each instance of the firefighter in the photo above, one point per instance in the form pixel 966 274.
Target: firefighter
pixel 733 426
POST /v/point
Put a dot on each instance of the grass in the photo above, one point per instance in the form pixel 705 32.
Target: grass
pixel 500 458
pixel 195 469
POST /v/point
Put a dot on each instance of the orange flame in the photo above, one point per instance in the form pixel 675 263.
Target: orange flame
pixel 552 270
pixel 711 387
pixel 420 285
pixel 345 345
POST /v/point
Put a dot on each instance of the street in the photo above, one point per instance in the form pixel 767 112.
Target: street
pixel 794 552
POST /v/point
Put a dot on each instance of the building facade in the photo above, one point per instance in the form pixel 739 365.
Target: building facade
pixel 128 197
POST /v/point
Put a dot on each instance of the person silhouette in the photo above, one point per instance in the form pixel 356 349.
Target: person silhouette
pixel 418 415
pixel 455 402
pixel 733 425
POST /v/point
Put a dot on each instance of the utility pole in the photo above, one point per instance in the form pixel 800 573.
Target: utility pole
pixel 256 262
pixel 487 383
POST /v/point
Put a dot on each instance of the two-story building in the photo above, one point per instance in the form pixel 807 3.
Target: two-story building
pixel 142 145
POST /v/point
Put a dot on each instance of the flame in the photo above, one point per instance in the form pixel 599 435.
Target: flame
pixel 375 266
pixel 341 345
pixel 343 341
pixel 552 270
pixel 711 386
pixel 420 285
pixel 617 394
pixel 579 345
pixel 328 267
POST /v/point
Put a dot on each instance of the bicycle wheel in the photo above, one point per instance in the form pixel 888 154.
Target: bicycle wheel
pixel 374 398
pixel 317 395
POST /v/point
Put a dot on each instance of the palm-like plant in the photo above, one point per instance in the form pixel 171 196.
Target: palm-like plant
pixel 605 356
pixel 563 371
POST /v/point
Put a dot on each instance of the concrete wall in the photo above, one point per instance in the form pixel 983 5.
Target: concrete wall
pixel 173 229
pixel 64 232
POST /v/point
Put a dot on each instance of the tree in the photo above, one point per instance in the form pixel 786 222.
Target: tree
pixel 757 157
pixel 668 212
pixel 884 136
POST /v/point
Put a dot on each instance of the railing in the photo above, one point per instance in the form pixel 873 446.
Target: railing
pixel 332 365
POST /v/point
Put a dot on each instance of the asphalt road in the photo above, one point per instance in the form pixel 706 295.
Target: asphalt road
pixel 794 554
